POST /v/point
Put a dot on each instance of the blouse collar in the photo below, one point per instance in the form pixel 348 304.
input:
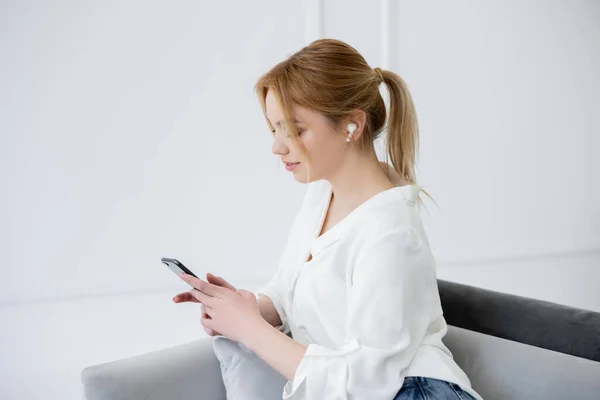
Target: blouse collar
pixel 408 193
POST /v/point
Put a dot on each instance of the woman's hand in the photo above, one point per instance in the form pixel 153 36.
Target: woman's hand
pixel 230 312
pixel 188 297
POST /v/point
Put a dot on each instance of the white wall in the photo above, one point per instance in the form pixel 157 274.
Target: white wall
pixel 508 103
pixel 129 131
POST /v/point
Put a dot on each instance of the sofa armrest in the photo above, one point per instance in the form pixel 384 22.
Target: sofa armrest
pixel 187 371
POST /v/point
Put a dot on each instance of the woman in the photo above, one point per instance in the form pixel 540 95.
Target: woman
pixel 356 285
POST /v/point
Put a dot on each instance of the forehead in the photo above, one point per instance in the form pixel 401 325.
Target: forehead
pixel 275 112
pixel 272 105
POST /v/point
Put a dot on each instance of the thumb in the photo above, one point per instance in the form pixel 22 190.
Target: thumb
pixel 217 280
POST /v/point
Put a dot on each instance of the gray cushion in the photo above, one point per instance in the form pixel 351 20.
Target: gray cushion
pixel 539 323
pixel 186 371
pixel 501 369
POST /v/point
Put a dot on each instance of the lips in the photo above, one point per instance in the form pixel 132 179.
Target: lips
pixel 290 166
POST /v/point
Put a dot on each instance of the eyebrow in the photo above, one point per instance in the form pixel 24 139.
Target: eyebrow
pixel 278 123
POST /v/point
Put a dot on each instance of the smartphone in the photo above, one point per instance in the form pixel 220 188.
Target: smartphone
pixel 177 267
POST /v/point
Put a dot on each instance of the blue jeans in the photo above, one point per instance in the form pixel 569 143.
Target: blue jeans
pixel 422 388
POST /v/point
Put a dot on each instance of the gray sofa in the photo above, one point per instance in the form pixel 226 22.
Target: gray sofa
pixel 511 347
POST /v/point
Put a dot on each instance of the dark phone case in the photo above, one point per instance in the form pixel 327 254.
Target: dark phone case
pixel 180 265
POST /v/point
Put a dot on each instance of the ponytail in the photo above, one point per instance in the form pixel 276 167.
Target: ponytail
pixel 402 128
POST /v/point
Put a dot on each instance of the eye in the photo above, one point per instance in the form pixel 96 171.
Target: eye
pixel 300 132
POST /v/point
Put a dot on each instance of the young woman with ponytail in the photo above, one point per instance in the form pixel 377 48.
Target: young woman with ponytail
pixel 353 310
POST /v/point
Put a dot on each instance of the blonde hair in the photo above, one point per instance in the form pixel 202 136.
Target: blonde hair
pixel 333 79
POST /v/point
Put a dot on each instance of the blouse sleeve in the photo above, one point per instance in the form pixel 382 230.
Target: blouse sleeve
pixel 388 316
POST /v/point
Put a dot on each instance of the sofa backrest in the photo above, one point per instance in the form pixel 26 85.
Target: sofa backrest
pixel 538 323
pixel 501 369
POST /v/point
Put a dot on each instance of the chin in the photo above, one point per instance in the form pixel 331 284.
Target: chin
pixel 300 176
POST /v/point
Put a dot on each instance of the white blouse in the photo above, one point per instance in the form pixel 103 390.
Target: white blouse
pixel 367 304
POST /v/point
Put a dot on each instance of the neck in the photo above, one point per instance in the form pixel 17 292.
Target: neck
pixel 360 177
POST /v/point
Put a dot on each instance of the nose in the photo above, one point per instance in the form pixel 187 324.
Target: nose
pixel 279 148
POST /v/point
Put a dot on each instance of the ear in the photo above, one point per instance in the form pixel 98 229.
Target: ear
pixel 359 117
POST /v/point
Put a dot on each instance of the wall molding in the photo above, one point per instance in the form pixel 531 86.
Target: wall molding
pixel 514 254
pixel 482 260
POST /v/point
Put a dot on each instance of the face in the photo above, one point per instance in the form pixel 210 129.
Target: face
pixel 323 142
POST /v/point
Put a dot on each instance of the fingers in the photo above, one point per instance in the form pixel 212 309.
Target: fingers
pixel 189 297
pixel 204 313
pixel 185 297
pixel 207 322
pixel 201 285
pixel 203 298
pixel 205 317
pixel 217 280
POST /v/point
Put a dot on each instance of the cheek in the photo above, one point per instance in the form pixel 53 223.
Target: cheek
pixel 323 154
pixel 312 141
pixel 300 151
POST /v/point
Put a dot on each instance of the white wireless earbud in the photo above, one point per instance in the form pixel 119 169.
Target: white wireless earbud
pixel 352 127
